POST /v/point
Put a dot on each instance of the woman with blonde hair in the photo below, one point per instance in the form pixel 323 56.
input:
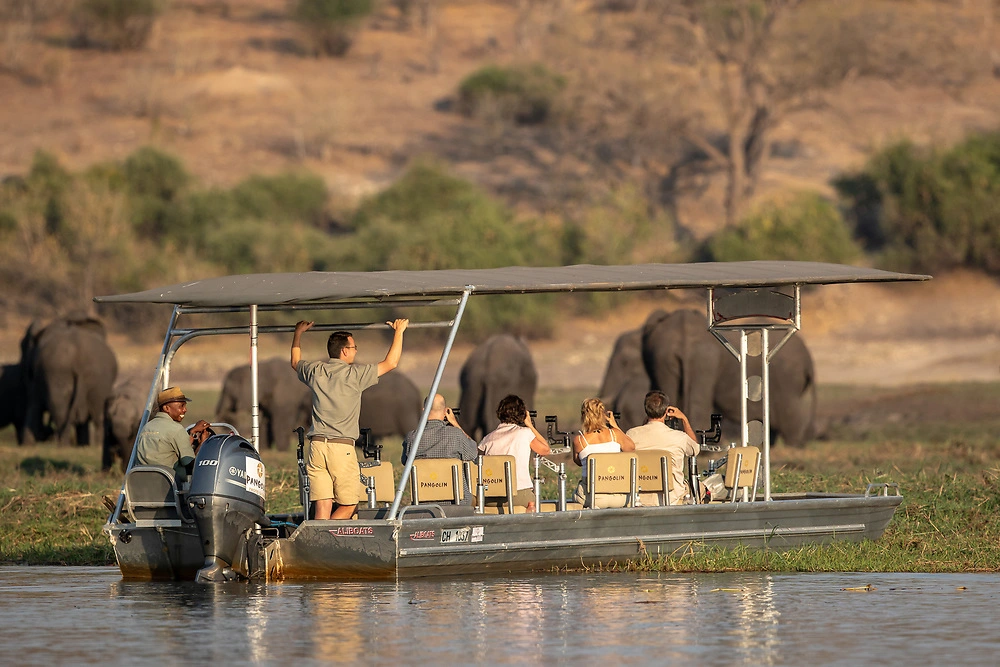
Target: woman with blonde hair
pixel 600 434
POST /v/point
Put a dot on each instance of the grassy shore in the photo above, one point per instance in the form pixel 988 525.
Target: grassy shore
pixel 51 509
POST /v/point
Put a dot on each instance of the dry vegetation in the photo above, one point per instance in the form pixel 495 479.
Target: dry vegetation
pixel 660 95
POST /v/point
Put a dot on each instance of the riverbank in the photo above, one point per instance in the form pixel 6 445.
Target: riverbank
pixel 930 440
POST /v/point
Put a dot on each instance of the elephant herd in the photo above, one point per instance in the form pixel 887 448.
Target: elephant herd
pixel 59 387
pixel 64 386
pixel 675 352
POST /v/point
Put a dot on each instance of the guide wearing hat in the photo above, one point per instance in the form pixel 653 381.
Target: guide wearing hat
pixel 163 441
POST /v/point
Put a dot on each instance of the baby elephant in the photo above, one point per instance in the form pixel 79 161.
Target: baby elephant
pixel 122 414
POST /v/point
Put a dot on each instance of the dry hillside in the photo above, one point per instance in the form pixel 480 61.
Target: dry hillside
pixel 226 87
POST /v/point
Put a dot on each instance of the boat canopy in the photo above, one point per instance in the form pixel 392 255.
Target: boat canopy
pixel 346 290
pixel 276 289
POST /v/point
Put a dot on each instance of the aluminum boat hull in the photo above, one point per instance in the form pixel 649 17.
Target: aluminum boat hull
pixel 483 544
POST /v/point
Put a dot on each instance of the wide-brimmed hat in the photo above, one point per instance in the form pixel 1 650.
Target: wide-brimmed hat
pixel 171 395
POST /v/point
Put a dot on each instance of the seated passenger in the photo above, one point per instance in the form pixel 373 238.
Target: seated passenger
pixel 443 437
pixel 655 434
pixel 600 434
pixel 163 441
pixel 516 436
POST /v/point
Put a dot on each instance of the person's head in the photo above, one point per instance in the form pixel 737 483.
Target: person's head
pixel 656 404
pixel 173 402
pixel 512 410
pixel 593 414
pixel 438 407
pixel 341 346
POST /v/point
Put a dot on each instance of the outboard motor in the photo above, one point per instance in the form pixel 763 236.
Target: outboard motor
pixel 227 500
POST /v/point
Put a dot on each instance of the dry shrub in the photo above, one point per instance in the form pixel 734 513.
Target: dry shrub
pixel 118 25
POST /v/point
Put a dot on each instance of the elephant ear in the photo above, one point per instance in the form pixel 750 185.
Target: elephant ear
pixel 653 320
pixel 30 340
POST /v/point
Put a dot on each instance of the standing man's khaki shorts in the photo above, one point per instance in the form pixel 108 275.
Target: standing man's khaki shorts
pixel 333 472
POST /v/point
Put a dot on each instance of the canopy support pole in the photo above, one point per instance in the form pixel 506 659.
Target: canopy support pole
pixel 162 370
pixel 254 385
pixel 412 454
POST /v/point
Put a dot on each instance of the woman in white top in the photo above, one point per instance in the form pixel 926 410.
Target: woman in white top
pixel 516 436
pixel 600 433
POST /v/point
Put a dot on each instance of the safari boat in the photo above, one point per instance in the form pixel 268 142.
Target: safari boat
pixel 217 528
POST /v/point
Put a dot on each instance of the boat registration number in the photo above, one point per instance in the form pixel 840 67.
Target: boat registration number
pixel 455 535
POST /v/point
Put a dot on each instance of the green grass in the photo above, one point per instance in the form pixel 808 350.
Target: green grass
pixel 945 461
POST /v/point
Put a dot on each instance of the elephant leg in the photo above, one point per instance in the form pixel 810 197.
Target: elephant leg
pixel 107 451
pixel 82 433
pixel 280 430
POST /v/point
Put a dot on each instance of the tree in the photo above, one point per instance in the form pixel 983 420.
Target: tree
pixel 758 61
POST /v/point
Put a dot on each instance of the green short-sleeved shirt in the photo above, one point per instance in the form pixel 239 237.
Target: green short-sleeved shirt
pixel 164 442
pixel 336 395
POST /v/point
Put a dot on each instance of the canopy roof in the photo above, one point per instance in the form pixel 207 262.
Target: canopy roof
pixel 319 287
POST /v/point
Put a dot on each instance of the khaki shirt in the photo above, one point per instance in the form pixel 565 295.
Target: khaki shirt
pixel 657 435
pixel 336 395
pixel 164 442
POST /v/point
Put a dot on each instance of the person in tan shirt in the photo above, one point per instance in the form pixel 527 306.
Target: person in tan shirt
pixel 655 434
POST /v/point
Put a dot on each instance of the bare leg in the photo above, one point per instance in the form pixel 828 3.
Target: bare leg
pixel 323 509
pixel 344 511
pixel 530 508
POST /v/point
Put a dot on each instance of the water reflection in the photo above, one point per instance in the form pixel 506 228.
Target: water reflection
pixel 707 618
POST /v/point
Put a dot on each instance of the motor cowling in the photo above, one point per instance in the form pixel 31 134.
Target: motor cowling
pixel 226 498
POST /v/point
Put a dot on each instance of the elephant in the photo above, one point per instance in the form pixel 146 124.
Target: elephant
pixel 625 380
pixel 391 407
pixel 284 401
pixel 12 404
pixel 122 415
pixel 499 366
pixel 685 361
pixel 68 370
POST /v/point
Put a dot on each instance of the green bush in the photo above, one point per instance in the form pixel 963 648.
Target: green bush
pixel 120 25
pixel 288 196
pixel 429 219
pixel 260 246
pixel 524 94
pixel 807 228
pixel 330 24
pixel 926 209
pixel 150 172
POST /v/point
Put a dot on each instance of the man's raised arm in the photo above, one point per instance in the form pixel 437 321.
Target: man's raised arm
pixel 300 328
pixel 396 349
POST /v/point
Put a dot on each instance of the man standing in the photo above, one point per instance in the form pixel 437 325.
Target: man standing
pixel 655 434
pixel 163 441
pixel 336 387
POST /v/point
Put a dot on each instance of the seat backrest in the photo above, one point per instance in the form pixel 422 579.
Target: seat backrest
pixel 610 472
pixel 385 483
pixel 653 471
pixel 150 494
pixel 495 476
pixel 433 480
pixel 749 465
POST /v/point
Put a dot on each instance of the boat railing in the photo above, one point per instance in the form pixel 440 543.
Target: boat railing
pixel 881 489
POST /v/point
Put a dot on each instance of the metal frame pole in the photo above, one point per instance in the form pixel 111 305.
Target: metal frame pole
pixel 161 368
pixel 765 377
pixel 427 406
pixel 744 435
pixel 254 387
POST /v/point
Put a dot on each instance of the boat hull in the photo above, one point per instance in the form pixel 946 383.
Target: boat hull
pixel 483 544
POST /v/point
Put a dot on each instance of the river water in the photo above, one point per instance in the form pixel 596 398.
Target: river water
pixel 55 616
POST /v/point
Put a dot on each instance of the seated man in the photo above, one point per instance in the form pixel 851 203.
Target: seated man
pixel 655 434
pixel 163 441
pixel 443 437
